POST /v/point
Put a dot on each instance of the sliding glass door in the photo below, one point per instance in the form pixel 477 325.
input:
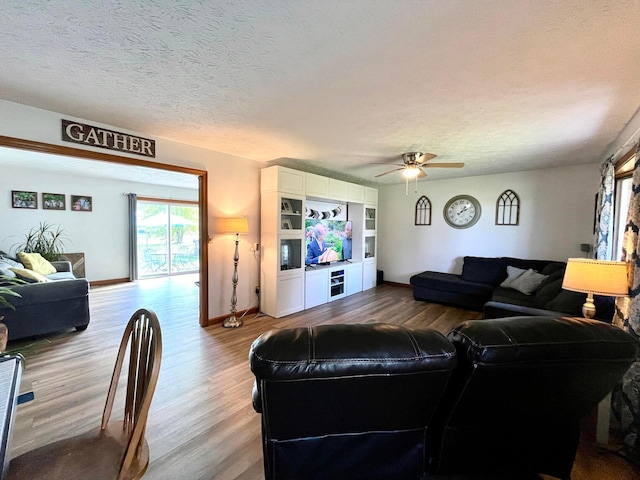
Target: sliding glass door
pixel 167 238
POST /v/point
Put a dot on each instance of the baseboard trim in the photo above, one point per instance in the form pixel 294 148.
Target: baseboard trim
pixel 397 284
pixel 239 313
pixel 104 283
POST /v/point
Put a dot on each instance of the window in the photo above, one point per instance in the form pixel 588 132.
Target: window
pixel 624 182
pixel 423 211
pixel 167 238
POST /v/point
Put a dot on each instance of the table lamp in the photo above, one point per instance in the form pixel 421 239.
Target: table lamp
pixel 599 277
pixel 236 226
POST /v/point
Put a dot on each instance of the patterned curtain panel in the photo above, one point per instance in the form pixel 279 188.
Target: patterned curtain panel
pixel 604 212
pixel 626 398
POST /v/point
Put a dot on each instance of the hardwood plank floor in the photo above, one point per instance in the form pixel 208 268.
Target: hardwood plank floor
pixel 201 424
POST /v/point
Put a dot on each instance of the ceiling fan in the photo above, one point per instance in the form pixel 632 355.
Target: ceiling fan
pixel 414 162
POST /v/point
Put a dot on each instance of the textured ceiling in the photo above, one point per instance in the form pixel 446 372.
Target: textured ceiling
pixel 326 85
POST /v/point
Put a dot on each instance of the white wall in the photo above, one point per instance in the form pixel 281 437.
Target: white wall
pixel 102 234
pixel 234 189
pixel 556 216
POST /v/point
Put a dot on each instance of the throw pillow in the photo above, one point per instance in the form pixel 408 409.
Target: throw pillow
pixel 512 274
pixel 29 275
pixel 528 282
pixel 6 264
pixel 37 263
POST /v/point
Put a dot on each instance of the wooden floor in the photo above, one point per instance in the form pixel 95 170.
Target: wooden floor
pixel 201 423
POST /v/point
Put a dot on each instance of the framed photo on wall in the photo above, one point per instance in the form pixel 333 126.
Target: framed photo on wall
pixel 21 199
pixel 81 203
pixel 53 201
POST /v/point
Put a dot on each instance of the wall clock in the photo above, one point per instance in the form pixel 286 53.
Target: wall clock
pixel 462 211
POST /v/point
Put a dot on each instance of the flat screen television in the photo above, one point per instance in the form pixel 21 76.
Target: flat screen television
pixel 337 241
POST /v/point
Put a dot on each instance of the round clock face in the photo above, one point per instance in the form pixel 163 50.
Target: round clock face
pixel 462 211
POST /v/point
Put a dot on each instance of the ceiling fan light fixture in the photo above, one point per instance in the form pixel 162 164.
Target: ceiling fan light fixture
pixel 411 172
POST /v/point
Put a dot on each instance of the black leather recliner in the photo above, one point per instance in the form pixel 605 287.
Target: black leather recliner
pixel 348 401
pixel 377 401
pixel 520 390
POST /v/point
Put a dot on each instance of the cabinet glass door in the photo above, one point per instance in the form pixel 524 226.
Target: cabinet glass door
pixel 291 217
pixel 369 218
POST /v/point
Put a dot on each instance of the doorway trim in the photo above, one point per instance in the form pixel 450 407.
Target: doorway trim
pixel 41 147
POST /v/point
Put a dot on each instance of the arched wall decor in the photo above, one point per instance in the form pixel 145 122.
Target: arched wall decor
pixel 423 211
pixel 508 208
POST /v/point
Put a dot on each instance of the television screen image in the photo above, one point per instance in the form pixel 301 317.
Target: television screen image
pixel 327 241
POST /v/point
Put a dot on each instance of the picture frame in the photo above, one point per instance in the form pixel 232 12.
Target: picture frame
pixel 54 201
pixel 23 199
pixel 285 206
pixel 286 224
pixel 81 203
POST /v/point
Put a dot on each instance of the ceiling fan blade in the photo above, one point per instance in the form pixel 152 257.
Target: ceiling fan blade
pixel 425 158
pixel 387 163
pixel 421 174
pixel 390 171
pixel 444 165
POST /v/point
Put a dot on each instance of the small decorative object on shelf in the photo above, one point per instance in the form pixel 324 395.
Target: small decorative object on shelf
pixel 286 206
pixel 286 224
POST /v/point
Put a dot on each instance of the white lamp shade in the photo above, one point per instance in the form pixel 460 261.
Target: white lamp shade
pixel 599 277
pixel 411 172
pixel 232 225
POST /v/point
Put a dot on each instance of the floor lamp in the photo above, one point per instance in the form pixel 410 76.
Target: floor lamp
pixel 237 226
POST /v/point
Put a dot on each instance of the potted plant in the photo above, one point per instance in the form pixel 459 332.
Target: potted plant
pixel 46 239
pixel 5 291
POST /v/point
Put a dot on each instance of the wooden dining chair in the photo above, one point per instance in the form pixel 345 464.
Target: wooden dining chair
pixel 118 449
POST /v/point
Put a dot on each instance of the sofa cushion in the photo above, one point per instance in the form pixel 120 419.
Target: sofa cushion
pixel 509 295
pixel 29 275
pixel 528 282
pixel 554 268
pixel 547 291
pixel 491 271
pixel 568 302
pixel 61 276
pixel 6 264
pixel 537 265
pixel 37 263
pixel 451 283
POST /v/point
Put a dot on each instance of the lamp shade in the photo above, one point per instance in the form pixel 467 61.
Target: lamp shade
pixel 232 225
pixel 599 277
pixel 411 172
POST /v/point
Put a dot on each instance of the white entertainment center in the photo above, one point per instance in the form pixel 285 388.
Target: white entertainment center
pixel 286 284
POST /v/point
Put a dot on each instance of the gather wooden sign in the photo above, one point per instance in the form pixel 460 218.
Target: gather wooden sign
pixel 101 137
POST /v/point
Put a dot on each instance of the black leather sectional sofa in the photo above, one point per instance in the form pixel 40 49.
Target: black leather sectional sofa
pixel 478 288
pixel 501 398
